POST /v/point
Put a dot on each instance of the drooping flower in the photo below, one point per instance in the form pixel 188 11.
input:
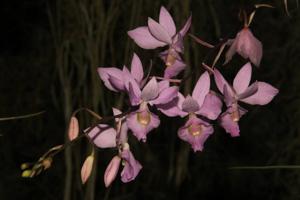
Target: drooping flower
pixel 163 34
pixel 258 93
pixel 247 45
pixel 203 103
pixel 143 121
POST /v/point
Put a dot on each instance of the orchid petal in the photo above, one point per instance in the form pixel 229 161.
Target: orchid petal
pixel 201 88
pixel 197 141
pixel 134 93
pixel 143 38
pixel 171 108
pixel 158 31
pixel 166 20
pixel 166 96
pixel 103 136
pixel 249 91
pixel 150 91
pixel 263 96
pixel 190 105
pixel 242 79
pixel 137 68
pixel 186 26
pixel 106 73
pixel 220 82
pixel 132 167
pixel 141 130
pixel 211 107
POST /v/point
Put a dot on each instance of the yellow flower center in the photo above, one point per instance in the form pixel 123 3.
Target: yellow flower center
pixel 144 118
pixel 195 129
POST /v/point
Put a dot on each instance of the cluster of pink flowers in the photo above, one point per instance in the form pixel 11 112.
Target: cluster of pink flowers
pixel 200 107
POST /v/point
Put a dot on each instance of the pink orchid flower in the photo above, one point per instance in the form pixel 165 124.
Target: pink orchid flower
pixel 203 103
pixel 142 121
pixel 131 166
pixel 258 93
pixel 115 79
pixel 247 46
pixel 163 34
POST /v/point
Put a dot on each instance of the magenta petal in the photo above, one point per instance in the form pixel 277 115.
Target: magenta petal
pixel 212 107
pixel 103 136
pixel 159 32
pixel 190 105
pixel 117 83
pixel 166 20
pixel 263 96
pixel 166 96
pixel 242 79
pixel 137 68
pixel 186 27
pixel 134 93
pixel 201 88
pixel 106 73
pixel 144 39
pixel 228 98
pixel 132 167
pixel 151 90
pixel 140 128
pixel 195 132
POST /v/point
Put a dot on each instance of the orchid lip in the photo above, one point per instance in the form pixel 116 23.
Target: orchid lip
pixel 195 129
pixel 144 118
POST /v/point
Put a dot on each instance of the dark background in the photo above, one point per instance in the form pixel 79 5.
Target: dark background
pixel 49 53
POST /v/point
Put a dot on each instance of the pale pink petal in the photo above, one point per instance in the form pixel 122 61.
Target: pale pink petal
pixel 106 73
pixel 229 124
pixel 103 136
pixel 201 88
pixel 166 20
pixel 186 27
pixel 231 51
pixel 263 96
pixel 212 107
pixel 174 69
pixel 165 96
pixel 190 105
pixel 195 132
pixel 137 68
pixel 132 166
pixel 248 46
pixel 162 85
pixel 220 82
pixel 86 169
pixel 150 91
pixel 117 82
pixel 73 128
pixel 134 93
pixel 159 32
pixel 171 108
pixel 112 171
pixel 251 90
pixel 140 128
pixel 242 79
pixel 144 39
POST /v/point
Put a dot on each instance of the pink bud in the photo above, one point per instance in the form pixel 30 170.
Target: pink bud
pixel 73 128
pixel 111 171
pixel 86 169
